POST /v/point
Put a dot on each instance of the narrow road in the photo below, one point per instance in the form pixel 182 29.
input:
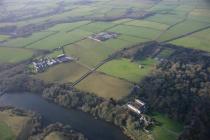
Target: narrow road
pixel 92 70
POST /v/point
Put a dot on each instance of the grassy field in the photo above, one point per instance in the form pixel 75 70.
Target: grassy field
pixel 25 41
pixel 148 24
pixel 3 37
pixel 89 52
pixel 14 55
pixel 97 27
pixel 165 53
pixel 63 73
pixel 141 32
pixel 56 136
pixel 124 68
pixel 105 86
pixel 182 29
pixel 165 18
pixel 6 132
pixel 11 125
pixel 68 26
pixel 168 129
pixel 199 40
pixel 60 39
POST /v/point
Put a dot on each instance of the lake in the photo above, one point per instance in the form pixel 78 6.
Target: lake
pixel 83 122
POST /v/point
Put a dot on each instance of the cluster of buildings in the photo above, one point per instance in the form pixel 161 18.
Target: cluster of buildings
pixel 42 64
pixel 137 106
pixel 103 36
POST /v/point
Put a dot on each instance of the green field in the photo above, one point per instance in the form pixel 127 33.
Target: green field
pixel 148 24
pixel 168 19
pixel 124 68
pixel 12 125
pixel 25 41
pixel 60 39
pixel 3 37
pixel 68 26
pixel 182 29
pixel 14 55
pixel 56 136
pixel 6 132
pixel 141 32
pixel 105 86
pixel 167 130
pixel 63 73
pixel 199 40
pixel 89 52
pixel 165 53
pixel 97 27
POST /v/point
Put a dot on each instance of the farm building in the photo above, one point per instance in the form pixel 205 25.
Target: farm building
pixel 42 64
pixel 103 36
pixel 137 106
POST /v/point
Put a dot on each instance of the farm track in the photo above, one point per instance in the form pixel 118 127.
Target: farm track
pixel 91 71
pixel 39 40
pixel 184 35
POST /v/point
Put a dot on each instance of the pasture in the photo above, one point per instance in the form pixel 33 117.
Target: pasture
pixel 141 32
pixel 89 52
pixel 148 24
pixel 168 129
pixel 11 125
pixel 59 39
pixel 169 19
pixel 68 26
pixel 183 28
pixel 105 86
pixel 63 73
pixel 3 37
pixel 97 27
pixel 6 132
pixel 199 40
pixel 26 41
pixel 125 69
pixel 14 55
pixel 56 136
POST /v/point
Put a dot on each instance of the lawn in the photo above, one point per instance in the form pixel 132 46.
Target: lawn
pixel 64 73
pixel 141 32
pixel 6 132
pixel 125 69
pixel 25 41
pixel 14 55
pixel 167 130
pixel 60 39
pixel 148 24
pixel 105 86
pixel 199 40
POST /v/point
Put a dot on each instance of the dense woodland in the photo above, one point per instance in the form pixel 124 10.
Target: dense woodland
pixel 180 87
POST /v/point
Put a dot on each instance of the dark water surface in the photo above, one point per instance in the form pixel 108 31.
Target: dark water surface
pixel 80 121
